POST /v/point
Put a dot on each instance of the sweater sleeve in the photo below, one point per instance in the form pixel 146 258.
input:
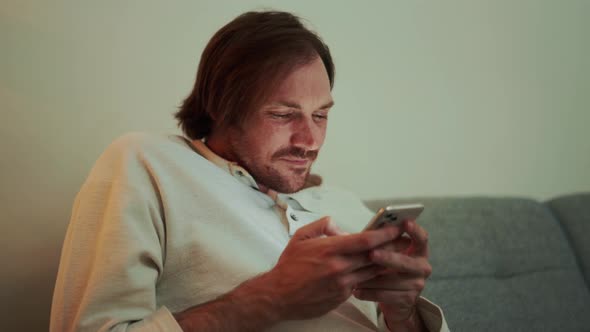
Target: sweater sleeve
pixel 113 253
pixel 431 315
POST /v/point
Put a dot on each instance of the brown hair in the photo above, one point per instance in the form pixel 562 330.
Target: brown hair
pixel 241 64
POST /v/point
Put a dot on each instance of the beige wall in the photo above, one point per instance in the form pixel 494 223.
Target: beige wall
pixel 433 98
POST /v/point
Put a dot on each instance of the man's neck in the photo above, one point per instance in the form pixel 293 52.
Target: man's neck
pixel 219 146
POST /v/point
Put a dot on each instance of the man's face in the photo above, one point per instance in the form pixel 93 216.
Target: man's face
pixel 279 142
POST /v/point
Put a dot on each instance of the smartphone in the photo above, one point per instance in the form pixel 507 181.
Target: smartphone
pixel 394 214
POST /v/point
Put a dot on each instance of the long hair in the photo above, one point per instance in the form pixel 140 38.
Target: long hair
pixel 242 64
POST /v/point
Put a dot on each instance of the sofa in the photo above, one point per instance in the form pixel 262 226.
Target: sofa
pixel 508 264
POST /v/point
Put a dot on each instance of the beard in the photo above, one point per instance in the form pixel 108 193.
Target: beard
pixel 276 180
pixel 274 174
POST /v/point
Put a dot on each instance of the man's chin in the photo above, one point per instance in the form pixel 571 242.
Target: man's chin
pixel 286 180
pixel 290 184
pixel 289 188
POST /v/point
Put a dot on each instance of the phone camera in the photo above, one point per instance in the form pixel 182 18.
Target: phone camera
pixel 391 216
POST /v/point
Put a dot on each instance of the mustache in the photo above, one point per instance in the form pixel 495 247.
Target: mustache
pixel 297 153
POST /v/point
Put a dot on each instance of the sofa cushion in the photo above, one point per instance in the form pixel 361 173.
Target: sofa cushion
pixel 501 264
pixel 573 211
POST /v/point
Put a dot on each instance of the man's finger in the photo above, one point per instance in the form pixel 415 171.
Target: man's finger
pixel 350 263
pixel 400 244
pixel 394 282
pixel 321 227
pixel 402 299
pixel 401 263
pixel 364 241
pixel 419 239
pixel 364 274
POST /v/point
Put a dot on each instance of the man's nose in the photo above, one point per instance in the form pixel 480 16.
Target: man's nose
pixel 307 134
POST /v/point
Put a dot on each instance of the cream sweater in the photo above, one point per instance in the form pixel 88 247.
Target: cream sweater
pixel 158 228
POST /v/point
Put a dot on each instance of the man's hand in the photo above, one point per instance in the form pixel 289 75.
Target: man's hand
pixel 316 272
pixel 320 267
pixel 397 289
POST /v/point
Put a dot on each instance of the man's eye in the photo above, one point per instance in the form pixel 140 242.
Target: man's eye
pixel 280 115
pixel 320 116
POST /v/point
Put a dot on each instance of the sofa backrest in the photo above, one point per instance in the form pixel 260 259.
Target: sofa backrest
pixel 503 264
pixel 573 211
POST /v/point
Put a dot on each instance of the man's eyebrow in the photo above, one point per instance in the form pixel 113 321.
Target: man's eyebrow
pixel 327 105
pixel 290 104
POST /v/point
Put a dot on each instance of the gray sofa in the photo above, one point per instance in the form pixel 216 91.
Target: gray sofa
pixel 509 264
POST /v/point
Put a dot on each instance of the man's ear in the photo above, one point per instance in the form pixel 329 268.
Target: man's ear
pixel 313 180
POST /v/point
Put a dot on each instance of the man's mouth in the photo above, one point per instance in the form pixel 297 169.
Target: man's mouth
pixel 296 161
pixel 296 156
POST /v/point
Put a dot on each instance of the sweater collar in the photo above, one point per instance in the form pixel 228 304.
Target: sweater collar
pixel 231 167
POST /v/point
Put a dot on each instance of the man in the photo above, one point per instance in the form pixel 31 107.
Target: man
pixel 227 230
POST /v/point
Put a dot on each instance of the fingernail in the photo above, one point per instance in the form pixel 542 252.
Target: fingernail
pixel 409 225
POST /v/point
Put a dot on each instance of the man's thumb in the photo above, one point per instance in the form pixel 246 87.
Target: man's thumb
pixel 322 227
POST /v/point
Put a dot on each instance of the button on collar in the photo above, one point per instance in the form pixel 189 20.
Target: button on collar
pixel 242 175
